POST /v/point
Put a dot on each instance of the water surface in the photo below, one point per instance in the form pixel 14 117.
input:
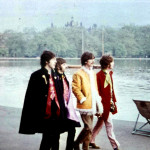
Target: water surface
pixel 131 81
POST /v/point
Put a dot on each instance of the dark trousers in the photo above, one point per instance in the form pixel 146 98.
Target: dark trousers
pixel 50 141
pixel 70 138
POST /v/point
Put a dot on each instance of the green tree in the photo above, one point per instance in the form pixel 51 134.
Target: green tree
pixel 16 45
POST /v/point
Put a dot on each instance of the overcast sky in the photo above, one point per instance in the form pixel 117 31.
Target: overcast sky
pixel 18 14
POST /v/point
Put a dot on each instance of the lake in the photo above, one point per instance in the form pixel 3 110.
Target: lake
pixel 131 81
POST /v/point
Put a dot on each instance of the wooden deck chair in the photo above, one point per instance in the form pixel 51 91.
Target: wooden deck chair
pixel 144 110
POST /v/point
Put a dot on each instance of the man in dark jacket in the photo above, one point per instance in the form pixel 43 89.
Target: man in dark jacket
pixel 42 106
pixel 71 121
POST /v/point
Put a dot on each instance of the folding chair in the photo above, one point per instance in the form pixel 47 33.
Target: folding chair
pixel 144 110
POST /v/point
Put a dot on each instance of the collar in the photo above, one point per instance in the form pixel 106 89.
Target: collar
pixel 106 71
pixel 44 70
pixel 87 70
pixel 61 75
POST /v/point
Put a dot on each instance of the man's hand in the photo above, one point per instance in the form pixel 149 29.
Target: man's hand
pixel 98 115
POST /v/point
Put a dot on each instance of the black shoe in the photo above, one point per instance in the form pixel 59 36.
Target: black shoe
pixel 76 146
pixel 93 145
pixel 116 148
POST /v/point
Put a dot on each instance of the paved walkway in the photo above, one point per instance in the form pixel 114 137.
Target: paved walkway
pixel 11 140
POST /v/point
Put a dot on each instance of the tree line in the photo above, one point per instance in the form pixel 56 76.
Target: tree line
pixel 72 39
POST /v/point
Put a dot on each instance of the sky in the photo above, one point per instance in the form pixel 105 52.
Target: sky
pixel 39 14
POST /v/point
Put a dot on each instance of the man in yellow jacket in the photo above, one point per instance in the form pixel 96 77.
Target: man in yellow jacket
pixel 84 87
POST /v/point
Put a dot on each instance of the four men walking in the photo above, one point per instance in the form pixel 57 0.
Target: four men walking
pixel 48 106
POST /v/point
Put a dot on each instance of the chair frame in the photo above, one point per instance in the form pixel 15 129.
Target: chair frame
pixel 139 130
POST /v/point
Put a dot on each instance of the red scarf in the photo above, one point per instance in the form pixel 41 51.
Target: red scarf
pixel 51 96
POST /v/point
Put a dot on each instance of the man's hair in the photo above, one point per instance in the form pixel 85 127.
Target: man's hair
pixel 46 57
pixel 60 61
pixel 105 60
pixel 85 57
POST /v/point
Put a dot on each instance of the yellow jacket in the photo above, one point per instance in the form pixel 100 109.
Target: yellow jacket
pixel 81 87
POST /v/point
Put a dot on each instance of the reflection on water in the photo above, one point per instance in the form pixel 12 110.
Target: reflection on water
pixel 131 81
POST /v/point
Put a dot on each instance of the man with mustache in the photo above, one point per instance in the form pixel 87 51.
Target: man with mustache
pixel 106 91
pixel 71 121
pixel 84 87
